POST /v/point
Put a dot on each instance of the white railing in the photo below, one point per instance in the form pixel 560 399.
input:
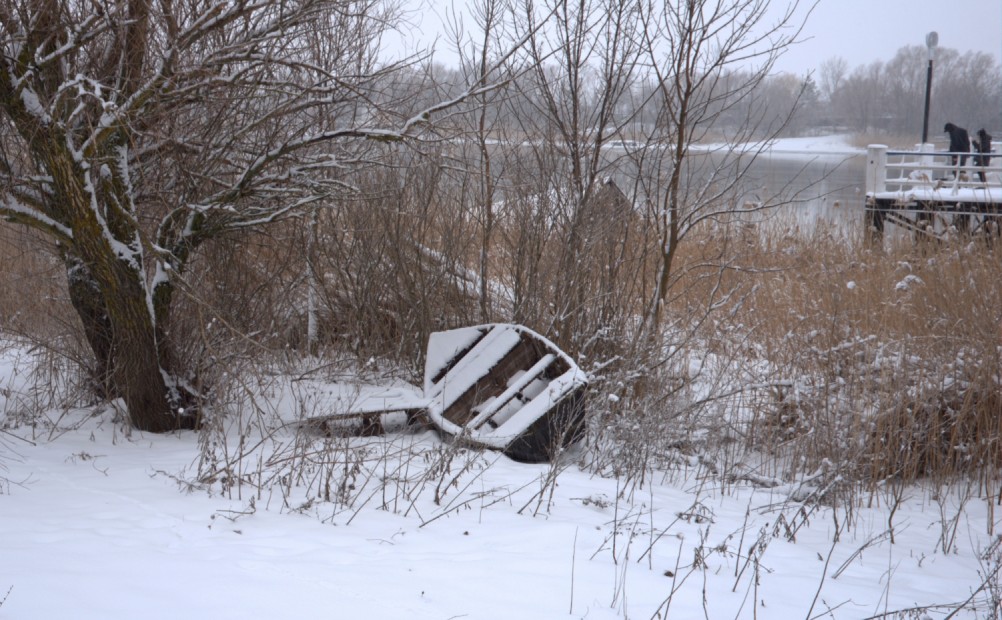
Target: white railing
pixel 895 171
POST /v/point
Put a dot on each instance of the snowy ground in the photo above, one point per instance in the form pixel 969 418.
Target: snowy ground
pixel 97 523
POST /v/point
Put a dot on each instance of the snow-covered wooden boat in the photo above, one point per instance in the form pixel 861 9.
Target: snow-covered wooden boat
pixel 505 387
pixel 498 386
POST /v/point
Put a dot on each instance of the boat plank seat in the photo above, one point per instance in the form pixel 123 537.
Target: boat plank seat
pixel 514 390
pixel 467 370
pixel 492 378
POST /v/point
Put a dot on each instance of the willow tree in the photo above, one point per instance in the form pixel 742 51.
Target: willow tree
pixel 133 132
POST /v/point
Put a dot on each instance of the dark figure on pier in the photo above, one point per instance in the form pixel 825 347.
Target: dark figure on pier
pixel 982 146
pixel 960 142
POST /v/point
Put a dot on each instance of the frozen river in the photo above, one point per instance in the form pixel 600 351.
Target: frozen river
pixel 821 188
pixel 813 181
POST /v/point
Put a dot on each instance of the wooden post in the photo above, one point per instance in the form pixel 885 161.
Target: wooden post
pixel 876 182
pixel 927 159
pixel 873 220
pixel 876 169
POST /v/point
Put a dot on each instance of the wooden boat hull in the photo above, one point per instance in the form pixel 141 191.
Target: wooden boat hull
pixel 499 386
pixel 505 387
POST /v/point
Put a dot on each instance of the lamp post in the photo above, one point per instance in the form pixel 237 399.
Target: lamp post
pixel 931 40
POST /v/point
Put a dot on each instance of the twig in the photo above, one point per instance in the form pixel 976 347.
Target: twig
pixel 984 584
pixel 10 434
pixel 900 613
pixel 821 582
pixel 877 539
pixel 574 553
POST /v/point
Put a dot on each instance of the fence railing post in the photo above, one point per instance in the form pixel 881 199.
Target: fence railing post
pixel 876 168
pixel 926 159
pixel 876 182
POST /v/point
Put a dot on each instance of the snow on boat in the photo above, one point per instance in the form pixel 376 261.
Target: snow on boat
pixel 504 387
pixel 498 386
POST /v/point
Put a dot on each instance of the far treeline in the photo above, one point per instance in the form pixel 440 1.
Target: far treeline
pixel 881 97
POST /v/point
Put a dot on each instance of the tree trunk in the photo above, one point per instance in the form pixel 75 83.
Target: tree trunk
pixel 132 361
pixel 85 295
pixel 138 372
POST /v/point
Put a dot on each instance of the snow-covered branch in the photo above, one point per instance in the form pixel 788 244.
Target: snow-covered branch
pixel 16 211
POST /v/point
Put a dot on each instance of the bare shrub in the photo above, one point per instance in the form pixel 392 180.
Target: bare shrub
pixel 394 263
pixel 257 449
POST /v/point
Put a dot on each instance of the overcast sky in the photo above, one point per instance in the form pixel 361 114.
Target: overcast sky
pixel 861 31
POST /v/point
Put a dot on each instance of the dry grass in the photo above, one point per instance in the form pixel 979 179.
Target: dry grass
pixel 892 360
pixel 32 284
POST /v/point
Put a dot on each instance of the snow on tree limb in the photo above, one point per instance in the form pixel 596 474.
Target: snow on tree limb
pixel 16 211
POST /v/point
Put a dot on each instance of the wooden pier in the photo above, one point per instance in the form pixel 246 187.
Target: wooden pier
pixel 928 196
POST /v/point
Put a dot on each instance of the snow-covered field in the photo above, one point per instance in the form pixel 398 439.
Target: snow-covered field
pixel 100 523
